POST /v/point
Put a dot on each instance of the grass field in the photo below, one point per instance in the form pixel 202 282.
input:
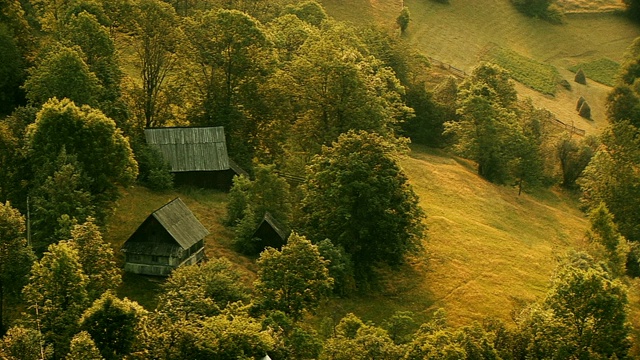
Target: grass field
pixel 488 250
pixel 536 75
pixel 603 70
pixel 457 33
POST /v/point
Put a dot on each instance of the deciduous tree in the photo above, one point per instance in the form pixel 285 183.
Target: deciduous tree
pixel 358 197
pixel 57 295
pixel 112 324
pixel 83 347
pixel 16 258
pixel 103 153
pixel 97 259
pixel 197 291
pixel 292 280
pixel 61 72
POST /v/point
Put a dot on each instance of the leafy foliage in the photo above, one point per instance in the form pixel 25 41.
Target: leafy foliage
pixel 102 152
pixel 97 259
pixel 57 295
pixel 358 197
pixel 293 280
pixel 202 290
pixel 83 347
pixel 574 157
pixel 112 324
pixel 612 177
pixel 15 257
pixel 21 343
pixel 62 73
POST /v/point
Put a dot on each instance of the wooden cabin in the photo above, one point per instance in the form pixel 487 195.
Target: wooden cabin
pixel 169 238
pixel 197 155
pixel 271 232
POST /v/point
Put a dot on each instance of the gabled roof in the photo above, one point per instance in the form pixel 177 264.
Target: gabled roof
pixel 192 148
pixel 276 225
pixel 180 223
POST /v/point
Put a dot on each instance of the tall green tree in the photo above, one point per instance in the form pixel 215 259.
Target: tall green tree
pixel 487 130
pixel 292 280
pixel 113 325
pixel 612 177
pixel 16 258
pixel 358 197
pixel 102 152
pixel 334 88
pixel 61 72
pixel 157 32
pixel 590 308
pixel 230 52
pixel 97 259
pixel 83 347
pixel 57 196
pixel 610 245
pixel 21 343
pixel 57 295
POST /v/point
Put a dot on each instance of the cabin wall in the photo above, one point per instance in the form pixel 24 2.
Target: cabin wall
pixel 162 265
pixel 221 180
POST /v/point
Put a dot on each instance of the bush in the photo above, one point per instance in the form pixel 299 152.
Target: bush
pixel 403 19
pixel 585 110
pixel 580 77
pixel 154 170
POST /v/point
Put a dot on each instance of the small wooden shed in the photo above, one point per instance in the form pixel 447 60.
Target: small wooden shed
pixel 197 155
pixel 169 238
pixel 271 232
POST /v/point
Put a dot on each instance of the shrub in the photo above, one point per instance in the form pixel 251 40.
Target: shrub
pixel 580 77
pixel 403 19
pixel 585 110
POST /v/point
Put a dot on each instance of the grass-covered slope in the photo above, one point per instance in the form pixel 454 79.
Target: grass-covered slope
pixel 488 252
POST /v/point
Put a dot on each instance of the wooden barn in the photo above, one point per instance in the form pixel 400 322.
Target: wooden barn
pixel 271 232
pixel 169 238
pixel 197 155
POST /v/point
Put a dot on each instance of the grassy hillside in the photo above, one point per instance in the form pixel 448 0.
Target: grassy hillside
pixel 459 33
pixel 488 251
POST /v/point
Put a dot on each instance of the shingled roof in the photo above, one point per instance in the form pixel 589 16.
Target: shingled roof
pixel 192 148
pixel 180 223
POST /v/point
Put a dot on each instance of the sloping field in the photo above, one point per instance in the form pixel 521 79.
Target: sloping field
pixel 491 251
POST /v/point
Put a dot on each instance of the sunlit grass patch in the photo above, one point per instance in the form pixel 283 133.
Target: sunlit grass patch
pixel 602 70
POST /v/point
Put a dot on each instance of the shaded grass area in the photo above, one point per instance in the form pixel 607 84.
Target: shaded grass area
pixel 534 74
pixel 603 70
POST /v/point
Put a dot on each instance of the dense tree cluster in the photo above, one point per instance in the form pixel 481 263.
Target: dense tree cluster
pixel 325 106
